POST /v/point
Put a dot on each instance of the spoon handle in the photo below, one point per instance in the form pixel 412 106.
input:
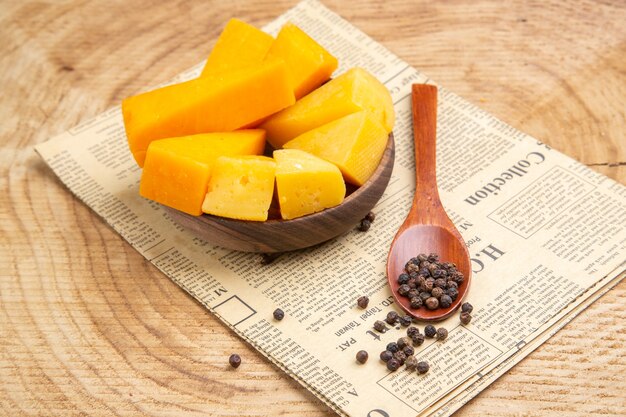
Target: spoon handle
pixel 426 203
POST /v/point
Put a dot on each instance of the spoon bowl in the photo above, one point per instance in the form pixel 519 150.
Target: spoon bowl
pixel 427 228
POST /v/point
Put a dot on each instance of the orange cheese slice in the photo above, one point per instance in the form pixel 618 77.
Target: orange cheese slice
pixel 208 104
pixel 308 63
pixel 240 45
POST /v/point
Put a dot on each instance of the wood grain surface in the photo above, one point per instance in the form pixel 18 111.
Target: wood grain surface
pixel 89 327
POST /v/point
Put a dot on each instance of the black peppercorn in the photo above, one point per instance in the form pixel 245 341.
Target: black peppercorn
pixel 408 350
pixel 432 303
pixel 234 360
pixel 268 258
pixel 445 301
pixel 363 301
pixel 416 302
pixel 411 267
pixel 422 257
pixel 379 326
pixel 393 347
pixel 424 295
pixel 453 293
pixel 385 355
pixel 429 284
pixel 412 294
pixel 400 357
pixel 365 225
pixel 411 363
pixel 361 356
pixel 392 317
pixel 405 321
pixel 430 331
pixel 418 339
pixel 442 334
pixel 452 284
pixel 403 279
pixel 422 367
pixel 412 283
pixel 371 216
pixel 440 283
pixel 402 342
pixel 436 292
pixel 412 331
pixel 393 364
pixel 433 257
pixel 467 308
pixel 279 314
pixel 466 317
pixel 404 289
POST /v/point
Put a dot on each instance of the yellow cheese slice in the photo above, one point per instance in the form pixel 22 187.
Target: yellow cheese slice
pixel 306 184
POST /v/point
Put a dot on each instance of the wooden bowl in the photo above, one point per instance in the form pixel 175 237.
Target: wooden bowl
pixel 277 235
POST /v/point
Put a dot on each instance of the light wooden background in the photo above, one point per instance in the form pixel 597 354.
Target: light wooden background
pixel 88 327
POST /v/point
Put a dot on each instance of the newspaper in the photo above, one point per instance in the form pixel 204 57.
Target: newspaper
pixel 547 236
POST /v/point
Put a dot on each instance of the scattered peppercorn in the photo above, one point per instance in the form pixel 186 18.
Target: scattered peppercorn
pixel 467 308
pixel 363 301
pixel 442 333
pixel 412 331
pixel 268 258
pixel 466 317
pixel 393 347
pixel 405 321
pixel 422 367
pixel 385 355
pixel 379 326
pixel 365 225
pixel 234 360
pixel 418 340
pixel 410 363
pixel 393 364
pixel 392 317
pixel 403 341
pixel 400 356
pixel 279 314
pixel 408 350
pixel 430 331
pixel 371 216
pixel 361 356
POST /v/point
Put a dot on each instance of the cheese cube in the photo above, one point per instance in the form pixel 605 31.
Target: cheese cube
pixel 240 45
pixel 306 184
pixel 241 187
pixel 355 143
pixel 177 170
pixel 352 91
pixel 308 63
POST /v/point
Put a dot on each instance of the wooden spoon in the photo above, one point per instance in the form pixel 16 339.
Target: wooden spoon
pixel 427 228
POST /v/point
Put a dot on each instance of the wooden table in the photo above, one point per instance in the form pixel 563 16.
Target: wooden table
pixel 89 327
